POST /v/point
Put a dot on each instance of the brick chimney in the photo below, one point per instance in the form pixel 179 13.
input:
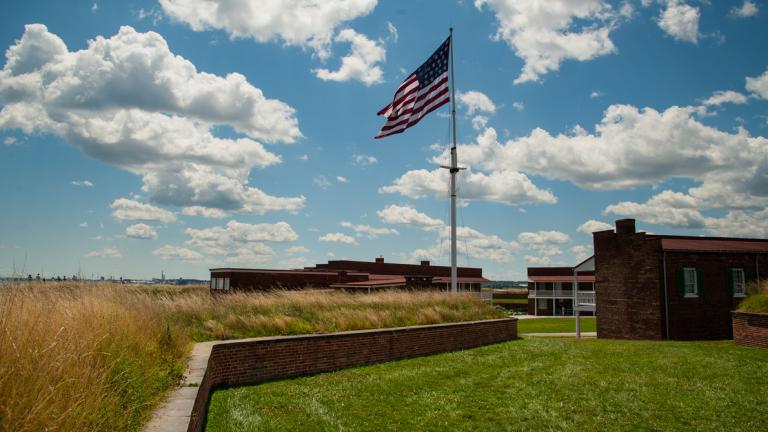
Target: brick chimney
pixel 625 226
pixel 424 263
pixel 380 260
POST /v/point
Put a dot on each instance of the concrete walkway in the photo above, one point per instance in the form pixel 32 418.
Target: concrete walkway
pixel 583 334
pixel 173 415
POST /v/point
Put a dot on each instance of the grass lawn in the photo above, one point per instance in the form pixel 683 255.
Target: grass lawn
pixel 555 325
pixel 527 384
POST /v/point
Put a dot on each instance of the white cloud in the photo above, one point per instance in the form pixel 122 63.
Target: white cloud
pixel 367 230
pixel 632 147
pixel 303 23
pixel 581 252
pixel 518 106
pixel 206 212
pixel 479 122
pixel 141 231
pixel 130 102
pixel 126 209
pixel 362 62
pixel 531 239
pixel 592 225
pixel 546 33
pixel 403 215
pixel 364 160
pixel 321 182
pixel 746 10
pixel 595 94
pixel 176 253
pixel 338 238
pixel 668 208
pixel 84 225
pixel 82 183
pixel 476 101
pixel 538 260
pixel 295 250
pixel 722 97
pixel 107 252
pixel 680 20
pixel 9 140
pixel 240 242
pixel 758 85
pixel 293 263
pixel 304 157
pixel 94 7
pixel 508 187
pixel 342 179
pixel 393 35
pixel 472 243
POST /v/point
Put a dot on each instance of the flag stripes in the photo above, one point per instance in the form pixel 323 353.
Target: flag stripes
pixel 419 94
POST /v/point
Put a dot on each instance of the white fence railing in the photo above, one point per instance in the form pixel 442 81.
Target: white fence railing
pixel 585 298
pixel 549 293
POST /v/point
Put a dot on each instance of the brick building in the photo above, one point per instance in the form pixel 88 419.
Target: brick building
pixel 551 289
pixel 349 275
pixel 671 287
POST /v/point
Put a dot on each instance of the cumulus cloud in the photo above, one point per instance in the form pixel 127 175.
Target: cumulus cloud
pixel 746 10
pixel 758 85
pixel 471 242
pixel 295 250
pixel 475 101
pixel 176 253
pixel 367 230
pixel 342 179
pixel 338 238
pixel 239 242
pixel 141 231
pixel 362 62
pixel 479 122
pixel 680 20
pixel 81 183
pixel 304 23
pixel 107 252
pixel 538 260
pixel 507 187
pixel 531 239
pixel 723 97
pixel 403 215
pixel 206 212
pixel 322 182
pixel 581 252
pixel 129 101
pixel 364 160
pixel 126 209
pixel 544 34
pixel 592 225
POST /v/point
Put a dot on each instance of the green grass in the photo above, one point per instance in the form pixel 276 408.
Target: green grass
pixel 755 303
pixel 555 325
pixel 527 384
pixel 510 301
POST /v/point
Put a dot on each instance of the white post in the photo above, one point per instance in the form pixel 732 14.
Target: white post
pixel 578 325
pixel 454 169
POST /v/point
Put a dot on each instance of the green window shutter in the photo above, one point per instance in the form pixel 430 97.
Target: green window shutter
pixel 729 280
pixel 700 282
pixel 680 282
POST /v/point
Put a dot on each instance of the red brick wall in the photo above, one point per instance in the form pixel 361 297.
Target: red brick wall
pixel 252 362
pixel 400 269
pixel 628 286
pixel 707 316
pixel 750 329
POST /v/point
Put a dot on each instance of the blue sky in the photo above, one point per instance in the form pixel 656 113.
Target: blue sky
pixel 180 135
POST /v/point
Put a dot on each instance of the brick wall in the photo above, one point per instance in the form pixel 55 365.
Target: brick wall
pixel 707 316
pixel 750 329
pixel 628 286
pixel 259 360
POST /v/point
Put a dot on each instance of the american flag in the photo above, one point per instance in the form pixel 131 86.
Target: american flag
pixel 421 93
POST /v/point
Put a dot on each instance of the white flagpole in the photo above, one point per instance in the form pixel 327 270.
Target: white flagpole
pixel 454 169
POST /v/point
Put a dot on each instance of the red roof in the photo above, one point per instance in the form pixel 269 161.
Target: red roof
pixel 581 278
pixel 713 245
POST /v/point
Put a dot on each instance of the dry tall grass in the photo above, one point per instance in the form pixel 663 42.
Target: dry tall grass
pixel 79 356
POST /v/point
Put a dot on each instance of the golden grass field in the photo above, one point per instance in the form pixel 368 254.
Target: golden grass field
pixel 80 356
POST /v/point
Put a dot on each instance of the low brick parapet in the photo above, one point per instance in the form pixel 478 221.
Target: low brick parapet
pixel 750 329
pixel 253 361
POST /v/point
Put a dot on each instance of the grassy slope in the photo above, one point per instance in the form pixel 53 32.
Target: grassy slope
pixel 99 357
pixel 528 384
pixel 555 325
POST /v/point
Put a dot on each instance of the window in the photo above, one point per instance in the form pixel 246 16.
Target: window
pixel 739 282
pixel 689 282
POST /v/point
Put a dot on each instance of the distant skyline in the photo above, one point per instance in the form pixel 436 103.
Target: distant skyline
pixel 182 135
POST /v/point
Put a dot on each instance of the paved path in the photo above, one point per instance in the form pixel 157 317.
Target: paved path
pixel 583 334
pixel 173 415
